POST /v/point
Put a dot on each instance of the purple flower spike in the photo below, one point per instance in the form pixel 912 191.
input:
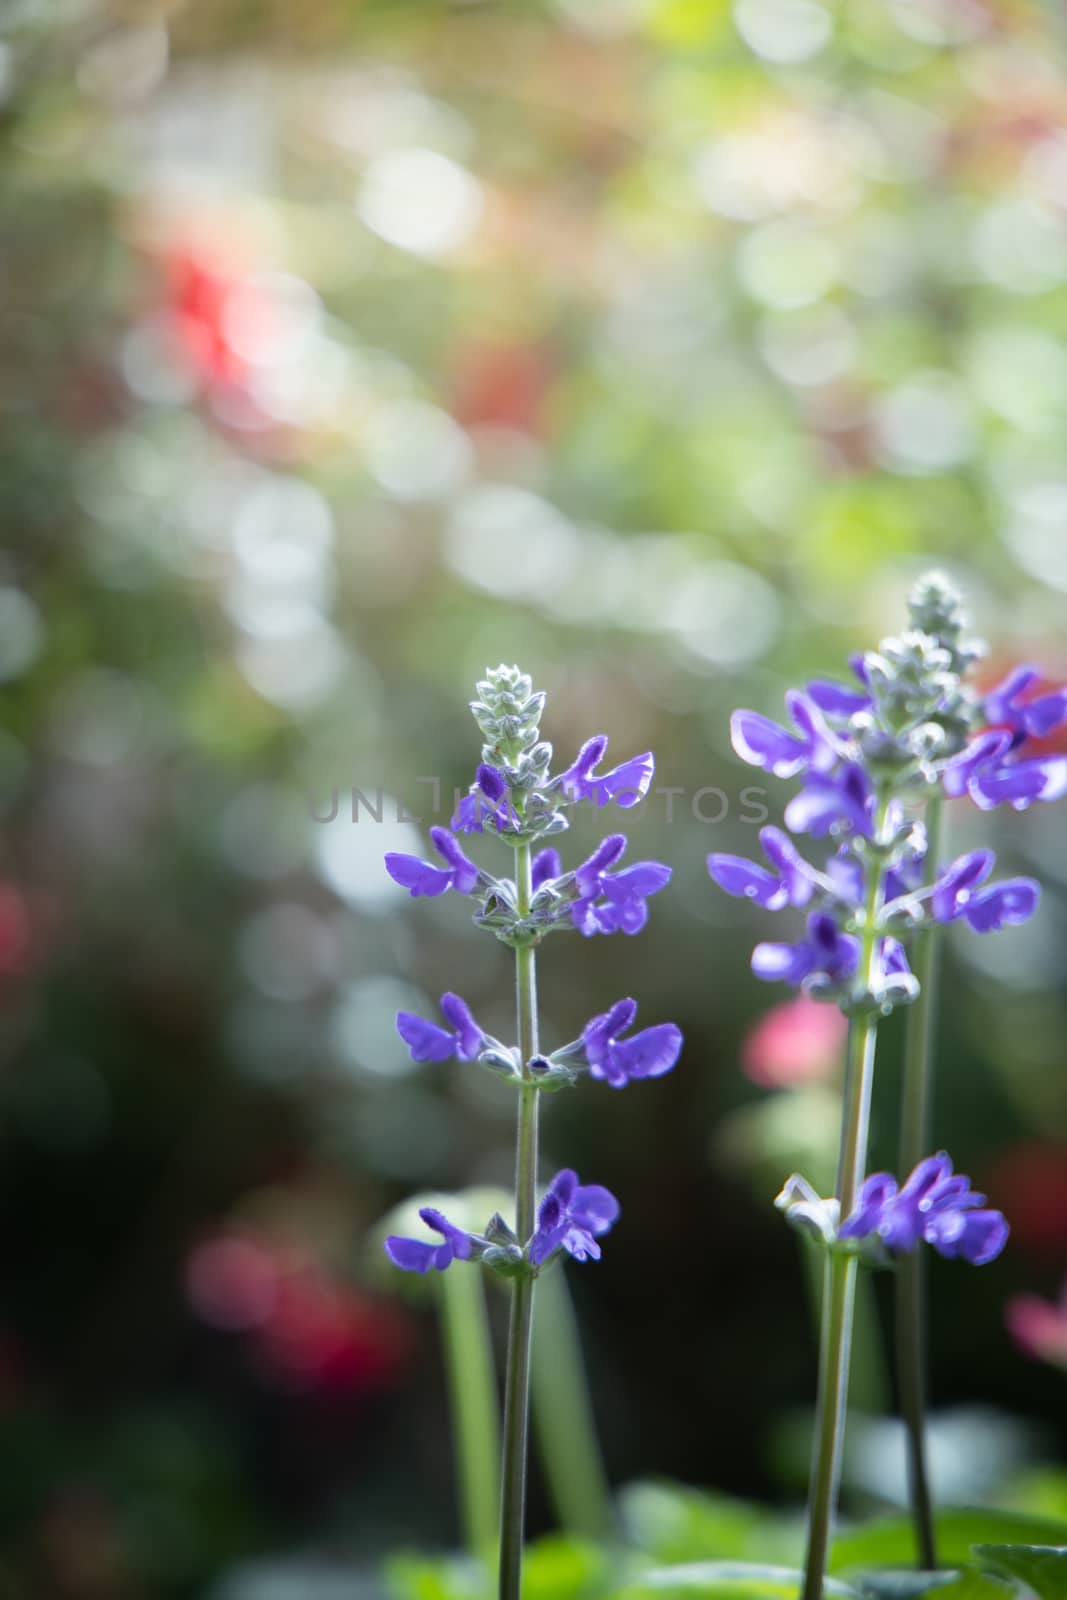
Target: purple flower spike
pixel 626 784
pixel 648 1054
pixel 427 1042
pixel 423 878
pixel 417 1255
pixel 571 1217
pixel 934 1205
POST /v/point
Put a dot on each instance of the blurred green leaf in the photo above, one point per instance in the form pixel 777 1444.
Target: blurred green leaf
pixel 892 1542
pixel 1042 1567
pixel 728 1580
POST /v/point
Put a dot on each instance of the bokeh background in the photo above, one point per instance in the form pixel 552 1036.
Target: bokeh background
pixel 348 348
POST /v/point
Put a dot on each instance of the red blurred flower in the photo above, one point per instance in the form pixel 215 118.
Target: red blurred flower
pixel 306 1330
pixel 15 932
pixel 794 1043
pixel 1030 1182
pixel 503 386
pixel 1039 1327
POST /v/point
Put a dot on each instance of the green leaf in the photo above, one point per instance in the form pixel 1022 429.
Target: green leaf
pixel 676 1525
pixel 727 1580
pixel 559 1568
pixel 895 1585
pixel 1042 1566
pixel 891 1543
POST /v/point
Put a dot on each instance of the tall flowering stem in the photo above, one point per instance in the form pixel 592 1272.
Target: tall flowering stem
pixel 839 1292
pixel 520 1331
pixel 872 755
pixel 516 799
pixel 910 1301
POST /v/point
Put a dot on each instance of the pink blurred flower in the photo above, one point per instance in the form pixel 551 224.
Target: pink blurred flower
pixel 797 1042
pixel 1039 1327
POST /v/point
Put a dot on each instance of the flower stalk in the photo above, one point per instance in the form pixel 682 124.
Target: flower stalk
pixel 839 1296
pixel 474 1408
pixel 515 797
pixel 520 1333
pixel 910 1302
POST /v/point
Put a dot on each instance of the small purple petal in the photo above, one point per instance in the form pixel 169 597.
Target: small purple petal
pixel 608 851
pixel 546 865
pixel 426 1041
pixel 636 882
pixel 648 1054
pixel 763 743
pixel 418 877
pixel 458 1239
pixel 1003 904
pixel 797 875
pixel 836 698
pixel 783 963
pixel 464 872
pixel 953 889
pixel 469 1038
pixel 748 881
pixel 985 1233
pixel 490 782
pixel 415 1255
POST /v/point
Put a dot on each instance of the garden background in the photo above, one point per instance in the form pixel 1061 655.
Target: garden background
pixel 345 349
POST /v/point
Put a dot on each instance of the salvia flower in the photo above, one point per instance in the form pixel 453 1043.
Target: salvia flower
pixel 625 784
pixel 647 1054
pixel 571 1218
pixel 418 1255
pixel 423 878
pixel 958 893
pixel 486 803
pixel 615 902
pixel 463 1039
pixel 935 1205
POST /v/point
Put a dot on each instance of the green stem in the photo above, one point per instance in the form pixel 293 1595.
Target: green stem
pixel 517 1383
pixel 564 1416
pixel 469 1356
pixel 839 1291
pixel 911 1276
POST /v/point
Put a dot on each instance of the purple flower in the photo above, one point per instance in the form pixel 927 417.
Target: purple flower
pixel 486 802
pixel 1035 718
pixel 957 894
pixel 626 785
pixel 792 884
pixel 648 1054
pixel 546 865
pixel 1019 783
pixel 417 1255
pixel 615 902
pixel 837 699
pixel 833 801
pixel 992 775
pixel 427 1042
pixel 934 1205
pixel 763 743
pixel 826 951
pixel 422 878
pixel 571 1217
